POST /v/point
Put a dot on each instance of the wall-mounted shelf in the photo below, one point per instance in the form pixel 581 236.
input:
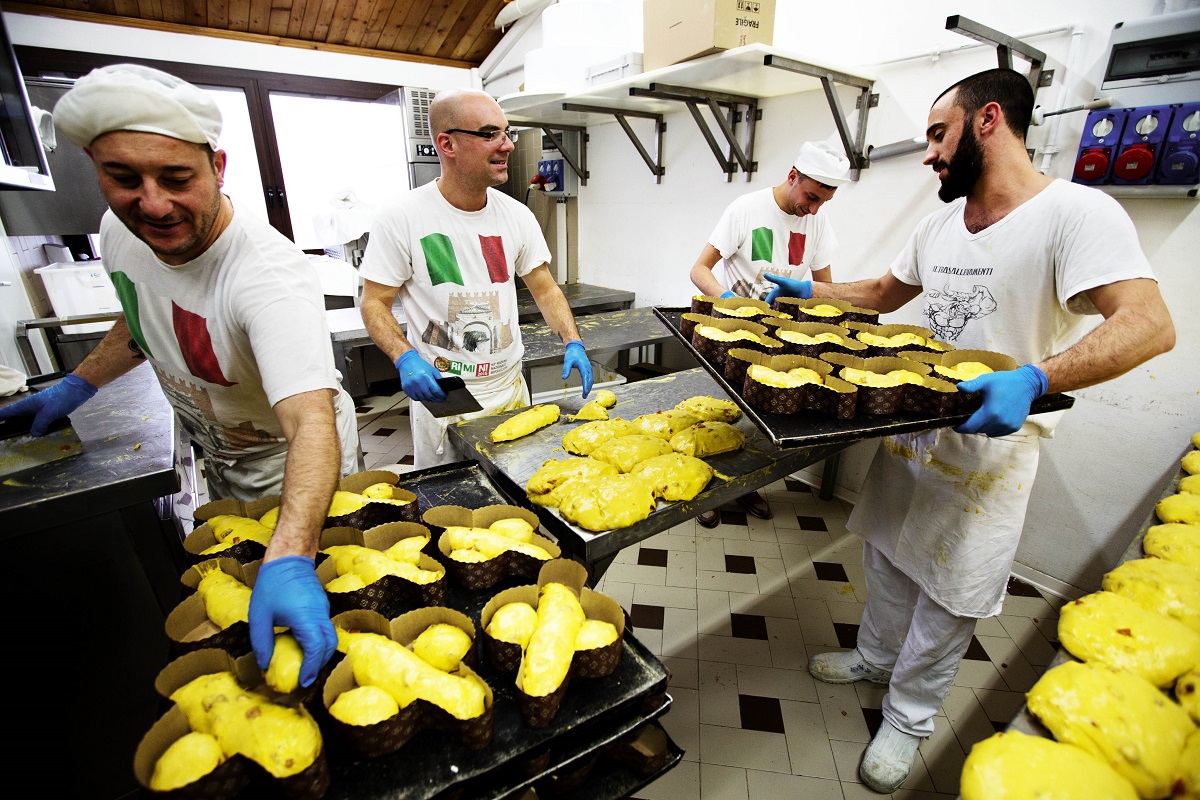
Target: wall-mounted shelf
pixel 729 84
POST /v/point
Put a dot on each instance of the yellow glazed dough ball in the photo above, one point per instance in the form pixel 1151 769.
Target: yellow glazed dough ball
pixel 1191 460
pixel 1013 766
pixel 513 623
pixel 442 645
pixel 189 758
pixel 1183 508
pixel 364 705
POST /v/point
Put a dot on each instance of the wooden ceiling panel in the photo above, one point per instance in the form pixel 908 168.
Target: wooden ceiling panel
pixel 451 32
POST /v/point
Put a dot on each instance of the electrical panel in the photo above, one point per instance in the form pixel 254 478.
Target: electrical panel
pixel 555 174
pixel 1148 142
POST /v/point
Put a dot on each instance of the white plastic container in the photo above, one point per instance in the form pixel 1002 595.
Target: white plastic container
pixel 547 385
pixel 79 288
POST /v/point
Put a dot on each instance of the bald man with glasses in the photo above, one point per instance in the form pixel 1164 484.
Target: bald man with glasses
pixel 450 250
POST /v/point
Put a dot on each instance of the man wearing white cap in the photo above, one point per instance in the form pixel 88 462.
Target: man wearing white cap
pixel 774 232
pixel 231 316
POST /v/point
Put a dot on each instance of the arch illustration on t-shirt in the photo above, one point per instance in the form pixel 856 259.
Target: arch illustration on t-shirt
pixel 194 406
pixel 441 262
pixel 473 325
pixel 949 311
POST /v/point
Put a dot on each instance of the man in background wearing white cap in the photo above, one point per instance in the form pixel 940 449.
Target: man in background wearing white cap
pixel 231 316
pixel 774 232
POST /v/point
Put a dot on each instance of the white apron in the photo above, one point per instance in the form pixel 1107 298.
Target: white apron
pixel 947 510
pixel 430 447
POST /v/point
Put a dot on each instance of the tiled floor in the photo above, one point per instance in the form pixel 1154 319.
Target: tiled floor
pixel 735 612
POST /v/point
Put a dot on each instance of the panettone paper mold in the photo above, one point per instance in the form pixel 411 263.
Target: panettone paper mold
pixel 476 575
pixel 188 627
pixel 999 362
pixel 370 515
pixel 834 397
pixel 715 351
pixel 847 345
pixel 720 306
pixel 936 396
pixel 797 309
pixel 389 735
pixel 390 594
pixel 235 773
pixel 599 662
pixel 888 331
pixel 703 303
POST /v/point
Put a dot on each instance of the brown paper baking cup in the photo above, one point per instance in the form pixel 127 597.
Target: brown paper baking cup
pixel 688 322
pixel 188 627
pixel 703 303
pixel 937 397
pixel 999 362
pixel 737 361
pixel 598 662
pixel 812 329
pixel 874 350
pixel 382 738
pixel 202 536
pixel 720 307
pixel 836 398
pixel 715 351
pixel 476 575
pixel 309 784
pixel 228 779
pixel 538 712
pixel 773 399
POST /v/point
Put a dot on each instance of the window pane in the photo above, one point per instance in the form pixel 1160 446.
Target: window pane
pixel 342 160
pixel 243 181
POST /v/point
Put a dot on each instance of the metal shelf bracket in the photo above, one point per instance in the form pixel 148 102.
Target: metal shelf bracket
pixel 549 128
pixel 852 145
pixel 655 164
pixel 738 156
pixel 1005 46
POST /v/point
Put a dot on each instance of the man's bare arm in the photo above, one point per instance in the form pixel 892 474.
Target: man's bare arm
pixel 883 294
pixel 310 475
pixel 116 354
pixel 702 272
pixel 1136 328
pixel 385 331
pixel 552 303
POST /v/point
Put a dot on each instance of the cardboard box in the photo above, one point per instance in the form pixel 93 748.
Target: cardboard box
pixel 678 30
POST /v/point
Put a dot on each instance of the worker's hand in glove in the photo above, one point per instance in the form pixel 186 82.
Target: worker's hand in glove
pixel 418 378
pixel 788 287
pixel 727 294
pixel 288 594
pixel 50 404
pixel 576 359
pixel 1007 396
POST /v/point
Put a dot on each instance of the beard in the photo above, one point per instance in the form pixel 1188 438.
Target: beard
pixel 964 168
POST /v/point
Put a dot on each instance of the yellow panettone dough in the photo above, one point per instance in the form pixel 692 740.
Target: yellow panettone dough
pixel 595 633
pixel 442 645
pixel 711 409
pixel 378 491
pixel 1161 586
pixel 1014 766
pixel 1116 716
pixel 407 549
pixel 627 452
pixel 525 423
pixel 371 565
pixel 345 583
pixel 552 645
pixel 607 502
pixel 363 705
pixel 1186 785
pixel 587 437
pixel 780 380
pixel 796 337
pixel 1183 508
pixel 345 503
pixel 514 528
pixel 907 376
pixel 665 424
pixel 593 409
pixel 1191 461
pixel 189 758
pixel 674 476
pixel 822 310
pixel 1187 692
pixel 742 311
pixel 605 397
pixel 489 543
pixel 1116 631
pixel 545 486
pixel 1196 440
pixel 379 661
pixel 862 377
pixel 270 519
pixel 963 370
pixel 1190 484
pixel 708 439
pixel 898 340
pixel 805 374
pixel 230 530
pixel 513 623
pixel 718 335
pixel 226 599
pixel 283 673
pixel 1174 541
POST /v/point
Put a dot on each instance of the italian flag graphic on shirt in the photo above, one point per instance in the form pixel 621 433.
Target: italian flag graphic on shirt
pixel 762 241
pixel 191 333
pixel 442 262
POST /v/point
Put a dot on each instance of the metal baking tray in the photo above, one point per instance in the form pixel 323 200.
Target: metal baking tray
pixel 594 712
pixel 807 428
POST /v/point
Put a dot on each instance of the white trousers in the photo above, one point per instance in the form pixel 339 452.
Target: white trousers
pixel 904 630
pixel 430 448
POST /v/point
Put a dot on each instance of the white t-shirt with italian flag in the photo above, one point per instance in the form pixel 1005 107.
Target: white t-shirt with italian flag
pixel 455 272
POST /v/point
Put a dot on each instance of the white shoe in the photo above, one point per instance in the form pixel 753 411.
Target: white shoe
pixel 846 667
pixel 888 759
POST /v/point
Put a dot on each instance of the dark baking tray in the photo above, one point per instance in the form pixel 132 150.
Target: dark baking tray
pixel 808 428
pixel 594 711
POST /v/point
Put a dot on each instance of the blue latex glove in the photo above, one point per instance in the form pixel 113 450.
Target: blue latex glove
pixel 727 294
pixel 1007 396
pixel 50 404
pixel 788 287
pixel 418 378
pixel 287 593
pixel 576 359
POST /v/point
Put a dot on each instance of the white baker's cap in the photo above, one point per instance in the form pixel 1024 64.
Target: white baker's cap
pixel 130 97
pixel 824 163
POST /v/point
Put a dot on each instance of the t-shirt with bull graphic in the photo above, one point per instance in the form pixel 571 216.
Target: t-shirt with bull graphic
pixel 755 236
pixel 455 272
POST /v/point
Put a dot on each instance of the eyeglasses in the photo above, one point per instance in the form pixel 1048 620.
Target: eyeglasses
pixel 490 136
